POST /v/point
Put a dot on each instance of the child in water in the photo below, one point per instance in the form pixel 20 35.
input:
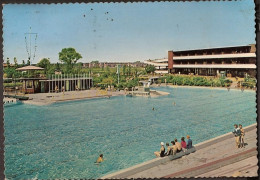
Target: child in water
pixel 100 159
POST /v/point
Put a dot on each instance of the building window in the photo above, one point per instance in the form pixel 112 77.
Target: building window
pixel 29 84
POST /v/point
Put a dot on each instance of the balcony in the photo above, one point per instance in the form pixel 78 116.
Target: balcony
pixel 219 56
pixel 219 66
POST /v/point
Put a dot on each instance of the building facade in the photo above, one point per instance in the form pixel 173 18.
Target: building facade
pixel 161 65
pixel 236 61
pixel 113 64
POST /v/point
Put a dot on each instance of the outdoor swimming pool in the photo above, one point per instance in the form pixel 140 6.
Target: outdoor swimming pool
pixel 63 140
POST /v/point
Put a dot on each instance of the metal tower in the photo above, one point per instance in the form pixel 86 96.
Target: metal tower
pixel 29 45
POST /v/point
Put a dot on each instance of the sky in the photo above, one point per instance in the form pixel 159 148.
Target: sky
pixel 125 32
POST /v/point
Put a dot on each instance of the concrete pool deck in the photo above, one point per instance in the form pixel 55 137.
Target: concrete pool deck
pixel 49 98
pixel 213 158
pixel 202 87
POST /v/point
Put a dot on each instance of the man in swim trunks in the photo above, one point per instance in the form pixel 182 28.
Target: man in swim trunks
pixel 178 145
pixel 242 135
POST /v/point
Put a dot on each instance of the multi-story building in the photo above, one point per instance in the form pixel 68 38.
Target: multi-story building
pixel 227 61
pixel 113 64
pixel 161 65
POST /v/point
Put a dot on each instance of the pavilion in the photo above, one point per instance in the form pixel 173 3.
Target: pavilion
pixel 31 84
pixel 54 82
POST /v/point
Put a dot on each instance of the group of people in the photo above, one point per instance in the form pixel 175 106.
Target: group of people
pixel 239 133
pixel 175 147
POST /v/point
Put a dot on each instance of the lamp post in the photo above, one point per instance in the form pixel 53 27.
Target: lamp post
pixel 118 72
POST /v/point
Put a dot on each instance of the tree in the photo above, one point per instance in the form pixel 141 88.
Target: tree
pixel 57 66
pixel 150 69
pixel 28 62
pixel 15 62
pixel 10 72
pixel 124 69
pixel 8 62
pixel 44 63
pixel 23 63
pixel 69 56
pixel 128 70
pixel 79 67
pixel 135 72
pixel 107 70
pixel 108 80
pixel 95 63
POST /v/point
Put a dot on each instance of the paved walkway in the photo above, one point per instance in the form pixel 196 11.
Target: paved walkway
pixel 212 161
pixel 244 168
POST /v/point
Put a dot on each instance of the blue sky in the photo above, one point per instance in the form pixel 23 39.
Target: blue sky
pixel 129 31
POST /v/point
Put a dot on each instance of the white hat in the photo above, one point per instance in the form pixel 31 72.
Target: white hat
pixel 162 143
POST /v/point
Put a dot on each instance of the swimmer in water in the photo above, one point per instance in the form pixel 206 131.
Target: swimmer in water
pixel 153 108
pixel 100 159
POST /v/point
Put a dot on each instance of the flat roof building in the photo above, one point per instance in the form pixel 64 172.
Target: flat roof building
pixel 222 61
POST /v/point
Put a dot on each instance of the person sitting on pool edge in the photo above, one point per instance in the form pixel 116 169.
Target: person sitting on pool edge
pixel 174 148
pixel 161 152
pixel 169 150
pixel 189 142
pixel 178 145
pixel 100 159
pixel 183 143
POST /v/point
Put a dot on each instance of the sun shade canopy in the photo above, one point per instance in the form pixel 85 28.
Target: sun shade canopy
pixel 25 68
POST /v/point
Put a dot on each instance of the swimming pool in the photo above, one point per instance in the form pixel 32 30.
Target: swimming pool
pixel 63 140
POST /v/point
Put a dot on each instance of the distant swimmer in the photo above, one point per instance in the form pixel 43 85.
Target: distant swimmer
pixel 100 159
pixel 153 108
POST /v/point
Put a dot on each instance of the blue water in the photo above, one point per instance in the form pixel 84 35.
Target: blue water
pixel 63 140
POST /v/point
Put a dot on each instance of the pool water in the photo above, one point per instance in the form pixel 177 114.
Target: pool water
pixel 63 140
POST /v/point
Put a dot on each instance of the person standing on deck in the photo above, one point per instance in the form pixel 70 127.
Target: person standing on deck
pixel 237 134
pixel 56 89
pixel 242 134
pixel 63 90
pixel 189 142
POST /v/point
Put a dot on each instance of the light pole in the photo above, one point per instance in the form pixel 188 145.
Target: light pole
pixel 118 72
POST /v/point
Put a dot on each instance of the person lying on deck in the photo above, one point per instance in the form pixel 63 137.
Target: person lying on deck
pixel 161 152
